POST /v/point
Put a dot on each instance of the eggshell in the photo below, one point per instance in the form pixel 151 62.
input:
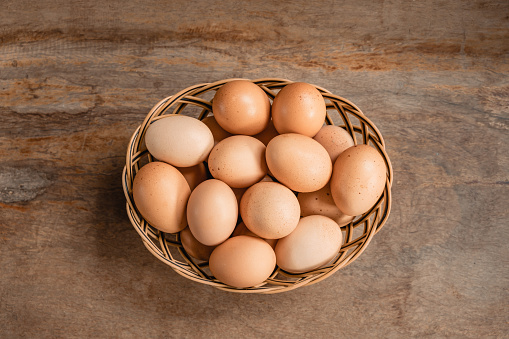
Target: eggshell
pixel 239 161
pixel 160 194
pixel 217 131
pixel 358 179
pixel 242 261
pixel 321 203
pixel 241 229
pixel 298 108
pixel 299 162
pixel 315 242
pixel 241 107
pixel 212 212
pixel 270 210
pixel 193 247
pixel 194 175
pixel 334 139
pixel 267 134
pixel 179 140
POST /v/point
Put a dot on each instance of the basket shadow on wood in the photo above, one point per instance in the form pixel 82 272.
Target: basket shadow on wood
pixel 167 247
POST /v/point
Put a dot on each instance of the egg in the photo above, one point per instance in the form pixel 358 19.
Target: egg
pixel 267 134
pixel 241 107
pixel 242 261
pixel 239 192
pixel 299 162
pixel 270 210
pixel 194 175
pixel 212 212
pixel 193 247
pixel 321 203
pixel 315 241
pixel 160 194
pixel 334 139
pixel 298 108
pixel 179 140
pixel 217 131
pixel 239 161
pixel 358 179
pixel 241 229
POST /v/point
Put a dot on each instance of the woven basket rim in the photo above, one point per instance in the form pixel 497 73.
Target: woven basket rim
pixel 158 244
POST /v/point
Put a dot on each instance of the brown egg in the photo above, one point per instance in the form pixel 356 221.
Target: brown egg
pixel 242 261
pixel 160 193
pixel 238 160
pixel 270 210
pixel 241 229
pixel 299 162
pixel 217 131
pixel 334 139
pixel 212 212
pixel 179 140
pixel 193 247
pixel 298 108
pixel 194 175
pixel 321 203
pixel 267 134
pixel 315 242
pixel 241 107
pixel 358 179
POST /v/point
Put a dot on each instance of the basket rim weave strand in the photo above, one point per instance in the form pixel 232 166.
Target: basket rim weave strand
pixel 161 244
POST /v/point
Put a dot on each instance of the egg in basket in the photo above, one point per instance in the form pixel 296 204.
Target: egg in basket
pixel 265 191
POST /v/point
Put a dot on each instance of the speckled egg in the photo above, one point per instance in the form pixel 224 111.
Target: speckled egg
pixel 161 193
pixel 270 210
pixel 321 203
pixel 299 108
pixel 334 139
pixel 358 179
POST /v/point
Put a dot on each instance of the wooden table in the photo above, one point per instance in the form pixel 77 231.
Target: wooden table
pixel 77 77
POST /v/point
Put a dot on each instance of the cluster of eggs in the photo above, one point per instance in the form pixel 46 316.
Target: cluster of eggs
pixel 256 184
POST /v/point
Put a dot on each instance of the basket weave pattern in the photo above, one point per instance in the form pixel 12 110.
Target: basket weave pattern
pixel 167 247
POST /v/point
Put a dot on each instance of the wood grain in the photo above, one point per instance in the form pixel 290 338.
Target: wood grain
pixel 76 79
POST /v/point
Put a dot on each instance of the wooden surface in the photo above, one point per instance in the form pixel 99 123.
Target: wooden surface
pixel 77 77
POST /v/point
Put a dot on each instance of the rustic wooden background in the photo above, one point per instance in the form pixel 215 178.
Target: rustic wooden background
pixel 77 77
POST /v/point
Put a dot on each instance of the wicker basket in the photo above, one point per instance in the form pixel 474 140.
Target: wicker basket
pixel 167 247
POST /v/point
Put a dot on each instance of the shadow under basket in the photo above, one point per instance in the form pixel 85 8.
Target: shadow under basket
pixel 196 101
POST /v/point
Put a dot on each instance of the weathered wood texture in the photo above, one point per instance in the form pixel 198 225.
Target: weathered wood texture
pixel 77 77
